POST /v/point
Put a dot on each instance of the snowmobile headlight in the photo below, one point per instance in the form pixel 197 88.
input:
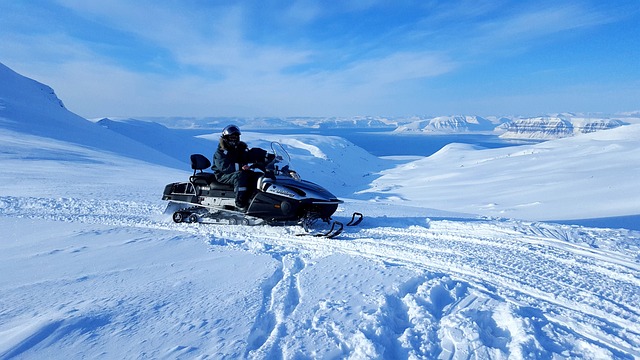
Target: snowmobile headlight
pixel 286 207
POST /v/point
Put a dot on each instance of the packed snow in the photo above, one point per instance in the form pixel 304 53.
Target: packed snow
pixel 461 254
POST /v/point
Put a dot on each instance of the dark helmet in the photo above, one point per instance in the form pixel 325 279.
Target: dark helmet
pixel 231 135
pixel 230 130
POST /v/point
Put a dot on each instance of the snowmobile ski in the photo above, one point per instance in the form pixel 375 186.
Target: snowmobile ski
pixel 354 221
pixel 335 230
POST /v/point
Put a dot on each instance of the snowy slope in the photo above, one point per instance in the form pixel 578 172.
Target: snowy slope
pixel 91 268
pixel 27 106
pixel 587 176
pixel 156 136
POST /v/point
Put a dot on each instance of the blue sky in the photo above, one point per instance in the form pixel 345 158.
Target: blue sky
pixel 328 58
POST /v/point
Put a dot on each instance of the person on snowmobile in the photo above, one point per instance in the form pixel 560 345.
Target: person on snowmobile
pixel 231 165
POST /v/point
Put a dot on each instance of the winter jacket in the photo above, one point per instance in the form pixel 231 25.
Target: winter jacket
pixel 228 161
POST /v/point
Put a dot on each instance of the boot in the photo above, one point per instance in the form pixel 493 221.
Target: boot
pixel 241 203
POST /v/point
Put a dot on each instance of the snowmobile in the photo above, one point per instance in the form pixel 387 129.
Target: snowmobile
pixel 281 197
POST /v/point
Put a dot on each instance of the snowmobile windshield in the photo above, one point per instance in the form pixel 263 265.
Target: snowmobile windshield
pixel 282 156
pixel 281 163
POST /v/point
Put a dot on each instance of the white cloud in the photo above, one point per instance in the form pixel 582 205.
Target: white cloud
pixel 251 79
pixel 228 74
pixel 537 23
pixel 398 67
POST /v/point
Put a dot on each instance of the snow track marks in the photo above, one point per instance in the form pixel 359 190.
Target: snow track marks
pixel 480 288
pixel 281 296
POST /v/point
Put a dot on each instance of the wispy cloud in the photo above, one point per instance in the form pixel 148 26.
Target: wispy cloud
pixel 397 67
pixel 303 56
pixel 537 23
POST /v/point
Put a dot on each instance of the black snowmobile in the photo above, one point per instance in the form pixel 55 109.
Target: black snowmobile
pixel 280 198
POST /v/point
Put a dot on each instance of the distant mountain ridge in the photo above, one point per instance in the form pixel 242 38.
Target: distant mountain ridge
pixel 553 127
pixel 511 127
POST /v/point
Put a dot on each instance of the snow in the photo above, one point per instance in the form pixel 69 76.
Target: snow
pixel 586 176
pixel 455 259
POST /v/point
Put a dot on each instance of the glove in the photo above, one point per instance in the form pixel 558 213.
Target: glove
pixel 255 155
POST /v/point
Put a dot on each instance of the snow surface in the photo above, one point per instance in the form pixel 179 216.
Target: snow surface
pixel 451 261
pixel 585 176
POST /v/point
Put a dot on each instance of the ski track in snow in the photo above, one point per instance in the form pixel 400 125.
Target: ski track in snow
pixel 515 287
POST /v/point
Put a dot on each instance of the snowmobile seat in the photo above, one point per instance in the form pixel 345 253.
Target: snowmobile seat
pixel 202 178
pixel 200 162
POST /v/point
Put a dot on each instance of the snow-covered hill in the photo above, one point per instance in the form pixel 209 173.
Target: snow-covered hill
pixel 29 107
pixel 587 176
pixel 555 127
pixel 91 268
pixel 156 136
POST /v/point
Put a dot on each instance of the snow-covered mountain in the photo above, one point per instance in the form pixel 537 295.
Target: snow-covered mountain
pixel 555 127
pixel 91 268
pixel 356 122
pixel 215 122
pixel 448 124
pixel 539 127
pixel 271 123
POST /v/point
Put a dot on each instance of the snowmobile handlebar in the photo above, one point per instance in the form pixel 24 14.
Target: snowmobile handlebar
pixel 272 164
